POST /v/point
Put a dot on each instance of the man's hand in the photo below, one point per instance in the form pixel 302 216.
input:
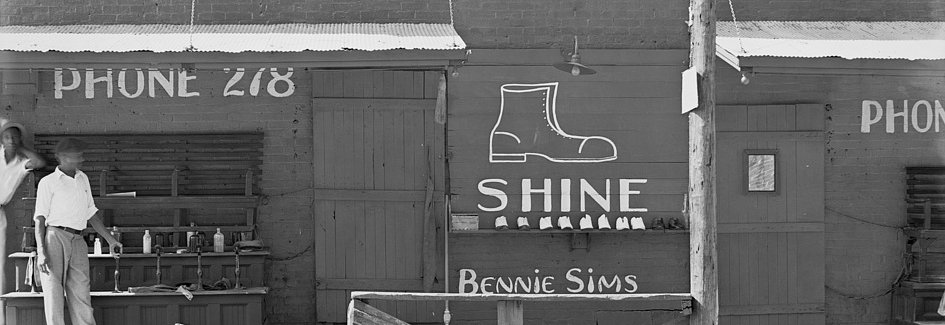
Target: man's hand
pixel 115 248
pixel 42 259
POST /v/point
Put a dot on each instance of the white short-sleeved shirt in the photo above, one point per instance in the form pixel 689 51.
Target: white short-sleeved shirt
pixel 65 201
pixel 11 174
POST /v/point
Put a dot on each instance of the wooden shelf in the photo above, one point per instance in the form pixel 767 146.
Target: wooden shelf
pixel 163 255
pixel 559 231
pixel 247 291
pixel 171 202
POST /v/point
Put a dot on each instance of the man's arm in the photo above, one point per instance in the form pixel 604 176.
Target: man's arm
pixel 96 222
pixel 36 161
pixel 40 232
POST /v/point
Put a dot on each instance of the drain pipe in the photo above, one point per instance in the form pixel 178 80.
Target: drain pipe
pixel 446 201
pixel 446 252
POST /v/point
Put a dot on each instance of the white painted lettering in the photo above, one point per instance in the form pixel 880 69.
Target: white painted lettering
pixel 939 115
pixel 59 87
pixel 574 279
pixel 276 78
pixel 182 79
pixel 891 116
pixel 928 116
pixel 520 283
pixel 485 283
pixel 588 190
pixel 625 194
pixel 527 191
pixel 496 193
pixel 91 80
pixel 565 195
pixel 866 116
pixel 123 85
pixel 166 82
pixel 500 284
pixel 615 284
pixel 545 282
pixel 467 277
pixel 631 283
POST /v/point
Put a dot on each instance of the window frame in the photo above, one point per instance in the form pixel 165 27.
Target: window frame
pixel 746 169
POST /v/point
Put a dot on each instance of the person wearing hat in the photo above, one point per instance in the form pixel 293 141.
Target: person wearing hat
pixel 17 160
pixel 64 207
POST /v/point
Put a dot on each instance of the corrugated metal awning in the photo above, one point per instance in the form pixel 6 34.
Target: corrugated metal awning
pixel 773 43
pixel 230 38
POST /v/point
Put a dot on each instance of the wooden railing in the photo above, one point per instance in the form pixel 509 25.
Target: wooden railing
pixel 509 306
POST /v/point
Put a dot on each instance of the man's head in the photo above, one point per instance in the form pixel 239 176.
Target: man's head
pixel 11 138
pixel 11 135
pixel 69 153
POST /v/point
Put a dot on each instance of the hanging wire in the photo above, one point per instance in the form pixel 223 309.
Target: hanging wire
pixel 193 4
pixel 452 23
pixel 738 32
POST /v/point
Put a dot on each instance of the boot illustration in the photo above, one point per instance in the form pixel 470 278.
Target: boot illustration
pixel 528 126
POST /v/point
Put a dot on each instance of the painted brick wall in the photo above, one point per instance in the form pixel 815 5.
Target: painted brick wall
pixel 865 179
pixel 285 215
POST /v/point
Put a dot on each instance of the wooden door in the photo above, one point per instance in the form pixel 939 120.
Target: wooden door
pixel 372 157
pixel 771 240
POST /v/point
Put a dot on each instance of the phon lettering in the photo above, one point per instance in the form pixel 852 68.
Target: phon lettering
pixel 918 116
pixel 137 83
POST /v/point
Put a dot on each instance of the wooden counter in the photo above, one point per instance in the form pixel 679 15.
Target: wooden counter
pixel 223 307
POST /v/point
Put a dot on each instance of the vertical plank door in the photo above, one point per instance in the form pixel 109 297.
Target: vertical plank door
pixel 374 133
pixel 771 244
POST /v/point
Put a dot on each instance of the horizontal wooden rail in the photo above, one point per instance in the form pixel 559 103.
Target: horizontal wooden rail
pixel 509 307
pixel 171 202
pixel 685 299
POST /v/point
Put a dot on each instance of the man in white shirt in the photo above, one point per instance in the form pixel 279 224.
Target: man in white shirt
pixel 64 206
pixel 15 162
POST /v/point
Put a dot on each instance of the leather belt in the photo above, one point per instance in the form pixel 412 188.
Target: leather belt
pixel 70 230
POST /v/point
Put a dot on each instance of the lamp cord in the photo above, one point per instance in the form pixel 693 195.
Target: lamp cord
pixel 738 32
pixel 193 4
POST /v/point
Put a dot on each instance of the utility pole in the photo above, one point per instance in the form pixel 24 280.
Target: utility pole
pixel 703 261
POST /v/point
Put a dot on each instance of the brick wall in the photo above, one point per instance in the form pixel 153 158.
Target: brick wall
pixel 864 176
pixel 285 220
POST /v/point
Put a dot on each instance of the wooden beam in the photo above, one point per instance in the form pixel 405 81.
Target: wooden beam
pixel 510 312
pixel 772 309
pixel 368 284
pixel 422 296
pixel 429 228
pixel 703 258
pixel 360 313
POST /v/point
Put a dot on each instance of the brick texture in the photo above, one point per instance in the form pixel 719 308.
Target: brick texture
pixel 864 179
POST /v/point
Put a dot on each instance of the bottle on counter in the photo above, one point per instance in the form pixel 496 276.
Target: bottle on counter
pixel 159 239
pixel 146 242
pixel 190 233
pixel 97 250
pixel 218 241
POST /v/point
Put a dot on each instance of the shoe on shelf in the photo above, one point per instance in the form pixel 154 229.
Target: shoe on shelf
pixel 523 223
pixel 658 224
pixel 637 223
pixel 623 224
pixel 545 223
pixel 586 223
pixel 564 223
pixel 675 224
pixel 501 223
pixel 603 223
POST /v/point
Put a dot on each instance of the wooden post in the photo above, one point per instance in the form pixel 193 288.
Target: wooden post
pixel 510 312
pixel 703 265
